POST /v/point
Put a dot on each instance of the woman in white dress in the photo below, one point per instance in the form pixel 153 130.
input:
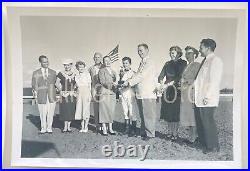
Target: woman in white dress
pixel 83 84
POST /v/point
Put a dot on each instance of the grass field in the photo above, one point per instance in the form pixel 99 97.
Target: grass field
pixel 89 145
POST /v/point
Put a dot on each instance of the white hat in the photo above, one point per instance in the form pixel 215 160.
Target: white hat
pixel 67 61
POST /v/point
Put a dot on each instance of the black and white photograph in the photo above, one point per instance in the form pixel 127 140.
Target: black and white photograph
pixel 127 86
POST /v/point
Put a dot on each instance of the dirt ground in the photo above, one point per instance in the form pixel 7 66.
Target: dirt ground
pixel 89 145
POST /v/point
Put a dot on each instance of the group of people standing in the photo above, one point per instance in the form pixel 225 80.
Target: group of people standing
pixel 189 93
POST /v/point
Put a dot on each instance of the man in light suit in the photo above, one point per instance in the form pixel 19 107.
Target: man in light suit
pixel 207 89
pixel 43 87
pixel 145 81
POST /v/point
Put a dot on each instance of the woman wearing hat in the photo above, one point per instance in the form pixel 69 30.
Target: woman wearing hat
pixel 66 85
pixel 170 107
pixel 107 78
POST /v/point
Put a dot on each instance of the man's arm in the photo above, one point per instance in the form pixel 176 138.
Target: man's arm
pixel 139 76
pixel 34 84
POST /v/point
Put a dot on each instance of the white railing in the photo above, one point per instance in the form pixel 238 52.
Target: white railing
pixel 226 95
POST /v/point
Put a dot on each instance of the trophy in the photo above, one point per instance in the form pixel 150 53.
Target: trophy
pixel 120 82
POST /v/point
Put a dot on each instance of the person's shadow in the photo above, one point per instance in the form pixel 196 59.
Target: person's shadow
pixel 35 149
pixel 35 120
pixel 180 141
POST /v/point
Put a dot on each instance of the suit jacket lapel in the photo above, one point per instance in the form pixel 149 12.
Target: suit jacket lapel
pixel 107 71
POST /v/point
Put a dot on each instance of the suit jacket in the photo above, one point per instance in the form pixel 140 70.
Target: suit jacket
pixel 145 80
pixel 94 70
pixel 207 83
pixel 106 80
pixel 44 87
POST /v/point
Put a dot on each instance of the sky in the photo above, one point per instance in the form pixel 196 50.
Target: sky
pixel 78 38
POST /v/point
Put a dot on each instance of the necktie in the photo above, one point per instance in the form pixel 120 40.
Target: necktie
pixel 46 73
pixel 143 62
pixel 200 68
pixel 193 89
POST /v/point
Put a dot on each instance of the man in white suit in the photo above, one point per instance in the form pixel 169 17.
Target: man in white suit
pixel 207 89
pixel 43 87
pixel 145 81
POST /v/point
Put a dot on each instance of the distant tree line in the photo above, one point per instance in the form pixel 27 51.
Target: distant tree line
pixel 226 91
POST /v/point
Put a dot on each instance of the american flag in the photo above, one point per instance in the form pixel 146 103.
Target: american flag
pixel 114 56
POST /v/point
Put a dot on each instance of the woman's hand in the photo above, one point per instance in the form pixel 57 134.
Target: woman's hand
pixel 73 93
pixel 65 93
pixel 34 92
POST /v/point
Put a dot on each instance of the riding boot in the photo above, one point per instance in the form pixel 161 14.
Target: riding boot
pixel 126 131
pixel 132 132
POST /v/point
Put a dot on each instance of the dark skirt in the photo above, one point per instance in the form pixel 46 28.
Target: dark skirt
pixel 170 105
pixel 67 108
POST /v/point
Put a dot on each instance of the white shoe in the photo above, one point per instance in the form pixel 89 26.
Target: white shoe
pixel 85 130
pixel 42 131
pixel 49 130
pixel 81 130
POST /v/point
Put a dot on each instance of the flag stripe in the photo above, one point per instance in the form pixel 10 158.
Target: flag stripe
pixel 114 60
pixel 114 56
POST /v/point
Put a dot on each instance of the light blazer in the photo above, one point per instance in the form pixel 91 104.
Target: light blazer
pixel 145 80
pixel 106 80
pixel 43 87
pixel 207 83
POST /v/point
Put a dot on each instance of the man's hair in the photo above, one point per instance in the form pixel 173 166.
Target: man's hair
pixel 209 43
pixel 144 45
pixel 80 63
pixel 97 53
pixel 177 49
pixel 105 57
pixel 127 58
pixel 41 57
pixel 196 52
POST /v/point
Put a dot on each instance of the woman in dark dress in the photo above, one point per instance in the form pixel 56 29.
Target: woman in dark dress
pixel 66 85
pixel 170 106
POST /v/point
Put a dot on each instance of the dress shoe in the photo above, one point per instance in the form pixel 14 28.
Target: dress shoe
pixel 174 138
pixel 50 131
pixel 145 138
pixel 85 130
pixel 42 132
pixel 64 130
pixel 214 150
pixel 81 131
pixel 169 135
pixel 112 133
pixel 104 134
pixel 187 142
